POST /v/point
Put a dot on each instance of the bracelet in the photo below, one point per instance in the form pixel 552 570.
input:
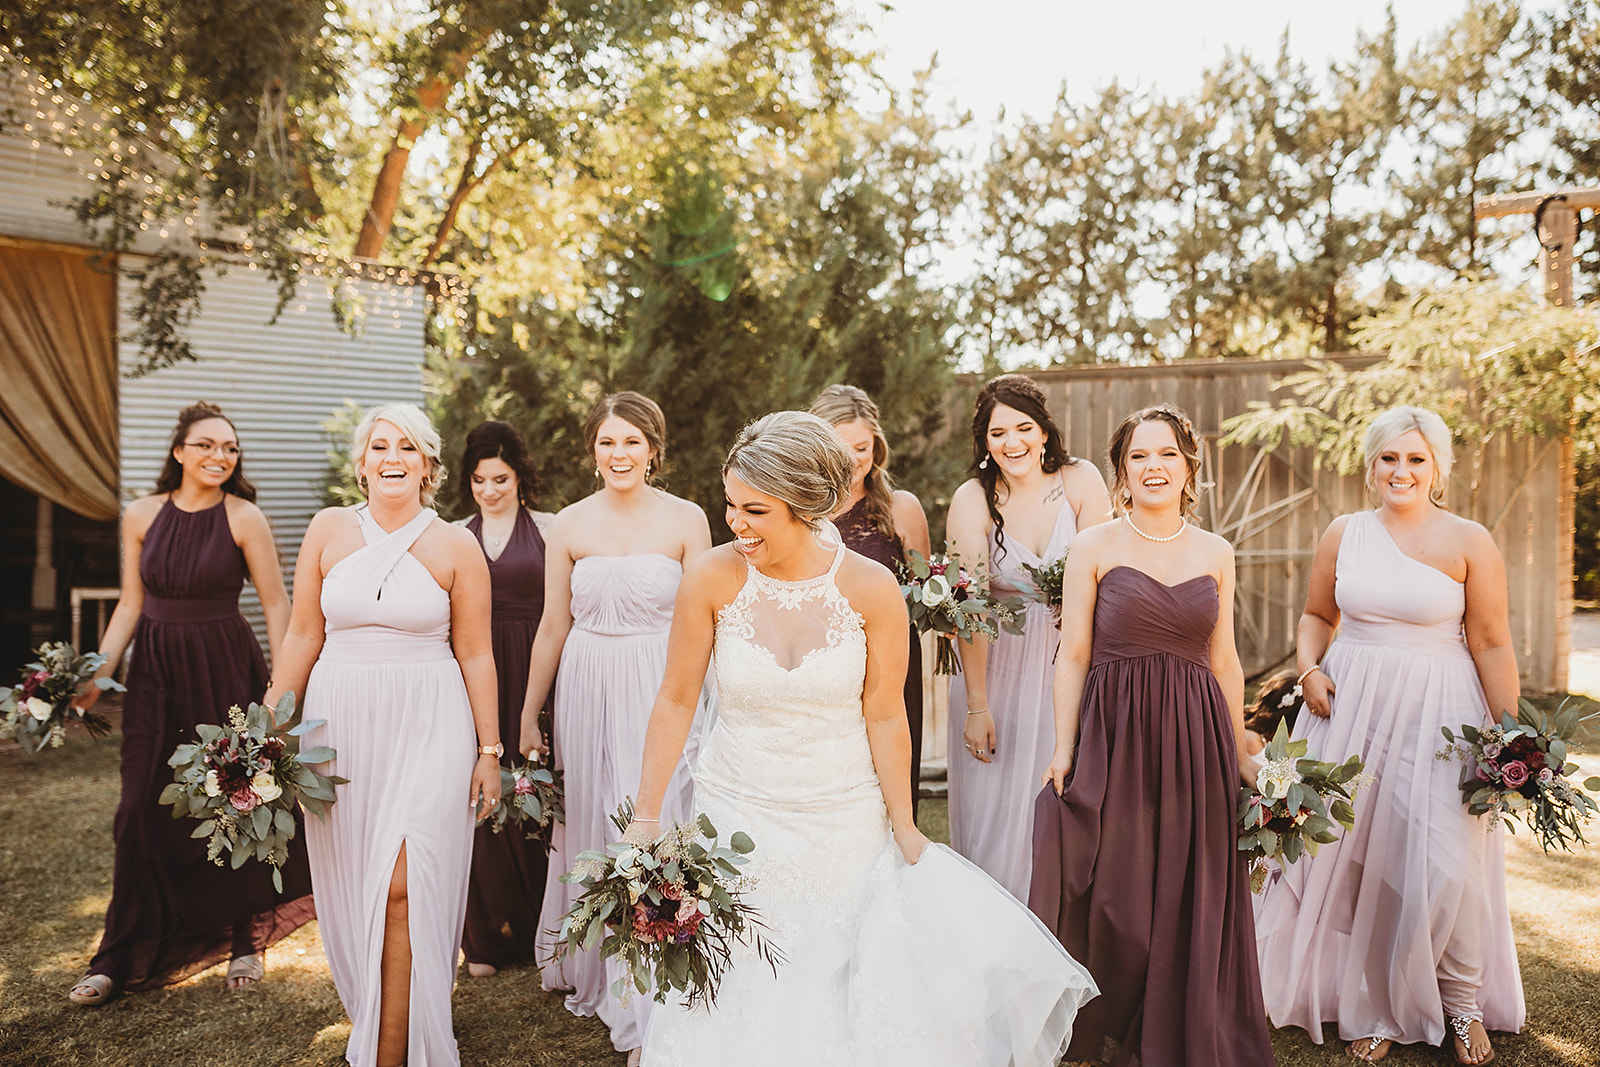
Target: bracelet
pixel 637 819
pixel 977 711
pixel 1307 674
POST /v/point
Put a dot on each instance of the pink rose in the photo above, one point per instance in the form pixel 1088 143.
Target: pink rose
pixel 244 800
pixel 1483 774
pixel 1514 774
pixel 523 787
pixel 1546 775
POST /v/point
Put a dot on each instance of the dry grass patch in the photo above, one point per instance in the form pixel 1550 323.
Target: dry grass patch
pixel 55 881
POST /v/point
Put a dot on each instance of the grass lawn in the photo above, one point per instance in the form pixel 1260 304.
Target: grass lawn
pixel 55 880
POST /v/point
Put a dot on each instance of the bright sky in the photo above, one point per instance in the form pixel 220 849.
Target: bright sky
pixel 1017 53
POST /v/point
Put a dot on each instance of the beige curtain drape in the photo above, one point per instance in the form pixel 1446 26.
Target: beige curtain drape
pixel 58 378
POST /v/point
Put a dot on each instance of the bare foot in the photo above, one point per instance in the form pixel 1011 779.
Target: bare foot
pixel 482 970
pixel 1370 1049
pixel 1471 1042
pixel 633 1056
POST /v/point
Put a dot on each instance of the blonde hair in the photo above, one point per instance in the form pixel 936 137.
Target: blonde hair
pixel 796 457
pixel 414 425
pixel 839 404
pixel 1398 421
pixel 1188 444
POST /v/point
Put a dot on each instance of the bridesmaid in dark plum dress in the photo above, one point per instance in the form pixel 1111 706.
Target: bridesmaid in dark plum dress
pixel 508 869
pixel 880 522
pixel 1135 865
pixel 187 551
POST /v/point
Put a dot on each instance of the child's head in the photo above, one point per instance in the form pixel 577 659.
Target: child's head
pixel 1277 701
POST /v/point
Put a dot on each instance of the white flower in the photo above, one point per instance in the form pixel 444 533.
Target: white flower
pixel 266 787
pixel 935 591
pixel 1275 778
pixel 213 788
pixel 39 709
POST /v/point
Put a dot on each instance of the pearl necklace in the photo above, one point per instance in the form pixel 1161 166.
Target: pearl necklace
pixel 1183 524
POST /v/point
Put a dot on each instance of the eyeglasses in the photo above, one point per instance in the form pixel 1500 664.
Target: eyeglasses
pixel 226 451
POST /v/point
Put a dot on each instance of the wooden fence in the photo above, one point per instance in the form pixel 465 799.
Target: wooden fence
pixel 1274 504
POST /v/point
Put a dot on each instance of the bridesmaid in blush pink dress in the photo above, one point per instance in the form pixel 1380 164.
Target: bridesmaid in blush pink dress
pixel 391 624
pixel 1400 932
pixel 613 563
pixel 1025 504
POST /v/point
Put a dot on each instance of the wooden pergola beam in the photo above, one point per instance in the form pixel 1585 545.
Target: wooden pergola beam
pixel 1494 207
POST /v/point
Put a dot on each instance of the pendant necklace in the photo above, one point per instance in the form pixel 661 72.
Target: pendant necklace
pixel 1183 524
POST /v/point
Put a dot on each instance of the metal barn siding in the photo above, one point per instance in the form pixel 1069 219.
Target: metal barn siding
pixel 278 384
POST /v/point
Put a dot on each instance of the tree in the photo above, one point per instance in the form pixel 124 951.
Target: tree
pixel 1566 42
pixel 1491 361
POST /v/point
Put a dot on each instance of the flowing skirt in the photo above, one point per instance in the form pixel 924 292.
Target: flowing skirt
pixel 887 964
pixel 405 739
pixel 1404 920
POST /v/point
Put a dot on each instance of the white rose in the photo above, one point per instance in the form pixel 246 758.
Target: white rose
pixel 213 788
pixel 1275 778
pixel 266 787
pixel 935 591
pixel 40 709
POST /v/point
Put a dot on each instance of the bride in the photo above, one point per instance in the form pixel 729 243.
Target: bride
pixel 898 950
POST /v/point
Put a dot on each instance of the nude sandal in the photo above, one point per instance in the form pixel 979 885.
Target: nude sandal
pixel 100 989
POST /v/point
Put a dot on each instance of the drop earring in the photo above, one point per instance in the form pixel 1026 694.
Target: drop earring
pixel 983 464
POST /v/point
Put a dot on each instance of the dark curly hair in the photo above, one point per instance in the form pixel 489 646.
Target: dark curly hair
pixel 1263 716
pixel 171 476
pixel 499 440
pixel 1018 392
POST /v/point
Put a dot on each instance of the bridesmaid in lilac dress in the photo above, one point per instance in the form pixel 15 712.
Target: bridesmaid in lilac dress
pixel 1135 859
pixel 186 552
pixel 389 642
pixel 1026 502
pixel 1400 932
pixel 880 522
pixel 508 868
pixel 613 563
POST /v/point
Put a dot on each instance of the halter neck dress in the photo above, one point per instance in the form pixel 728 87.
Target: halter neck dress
pixel 173 912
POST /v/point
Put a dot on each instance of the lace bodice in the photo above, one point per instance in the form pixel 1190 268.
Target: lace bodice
pixel 791 661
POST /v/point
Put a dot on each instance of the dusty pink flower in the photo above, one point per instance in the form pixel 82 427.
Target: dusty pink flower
pixel 1514 774
pixel 523 787
pixel 244 799
pixel 1546 775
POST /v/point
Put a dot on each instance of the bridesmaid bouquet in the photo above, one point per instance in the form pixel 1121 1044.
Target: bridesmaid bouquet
pixel 1295 805
pixel 242 783
pixel 38 709
pixel 531 796
pixel 672 909
pixel 943 596
pixel 1048 579
pixel 1518 772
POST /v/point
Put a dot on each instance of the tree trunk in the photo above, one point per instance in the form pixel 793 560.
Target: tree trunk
pixel 431 96
pixel 468 182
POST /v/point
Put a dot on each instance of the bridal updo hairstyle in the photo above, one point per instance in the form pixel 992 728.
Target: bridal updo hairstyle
pixel 796 457
pixel 498 440
pixel 171 476
pixel 1402 420
pixel 639 411
pixel 1188 444
pixel 1018 392
pixel 414 425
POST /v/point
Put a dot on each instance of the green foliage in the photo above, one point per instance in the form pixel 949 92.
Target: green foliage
pixel 1491 361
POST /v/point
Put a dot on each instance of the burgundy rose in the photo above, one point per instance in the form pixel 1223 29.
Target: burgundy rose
pixel 274 748
pixel 1535 760
pixel 937 568
pixel 1514 774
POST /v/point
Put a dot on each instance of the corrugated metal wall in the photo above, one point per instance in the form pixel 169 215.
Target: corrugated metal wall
pixel 278 384
pixel 1274 507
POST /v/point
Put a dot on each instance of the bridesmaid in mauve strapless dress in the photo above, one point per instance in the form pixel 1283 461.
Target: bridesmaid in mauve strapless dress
pixel 1135 865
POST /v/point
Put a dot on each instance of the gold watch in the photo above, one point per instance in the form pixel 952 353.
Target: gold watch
pixel 496 750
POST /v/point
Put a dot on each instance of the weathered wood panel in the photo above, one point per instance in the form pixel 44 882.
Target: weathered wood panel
pixel 1274 505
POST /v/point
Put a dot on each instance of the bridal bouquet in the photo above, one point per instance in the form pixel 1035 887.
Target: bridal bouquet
pixel 242 782
pixel 672 909
pixel 1518 772
pixel 943 596
pixel 1295 805
pixel 531 797
pixel 38 709
pixel 1048 580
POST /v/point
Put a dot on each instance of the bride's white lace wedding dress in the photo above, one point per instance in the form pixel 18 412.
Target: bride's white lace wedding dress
pixel 888 963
